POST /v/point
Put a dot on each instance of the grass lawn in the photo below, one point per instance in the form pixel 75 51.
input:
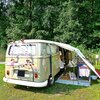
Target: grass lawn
pixel 55 92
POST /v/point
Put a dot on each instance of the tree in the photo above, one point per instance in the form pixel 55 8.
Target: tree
pixel 32 19
pixel 68 27
pixel 96 23
pixel 4 22
pixel 87 16
pixel 71 21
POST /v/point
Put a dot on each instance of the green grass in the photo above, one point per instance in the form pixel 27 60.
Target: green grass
pixel 55 92
pixel 97 67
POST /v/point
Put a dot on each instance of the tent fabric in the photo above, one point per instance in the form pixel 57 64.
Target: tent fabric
pixel 78 52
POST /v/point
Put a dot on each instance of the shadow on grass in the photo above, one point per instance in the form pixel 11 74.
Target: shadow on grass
pixel 54 89
pixel 94 82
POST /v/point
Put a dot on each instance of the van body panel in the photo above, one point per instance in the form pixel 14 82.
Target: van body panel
pixel 30 62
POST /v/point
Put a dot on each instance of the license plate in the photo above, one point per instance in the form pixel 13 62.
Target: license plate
pixel 21 73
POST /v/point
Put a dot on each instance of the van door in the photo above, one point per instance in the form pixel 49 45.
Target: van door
pixel 55 59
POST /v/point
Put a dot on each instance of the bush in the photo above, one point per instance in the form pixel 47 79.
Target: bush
pixel 90 54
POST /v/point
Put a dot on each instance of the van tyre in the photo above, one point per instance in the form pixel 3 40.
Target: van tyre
pixel 50 81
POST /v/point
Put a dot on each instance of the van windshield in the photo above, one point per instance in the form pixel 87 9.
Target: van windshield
pixel 23 50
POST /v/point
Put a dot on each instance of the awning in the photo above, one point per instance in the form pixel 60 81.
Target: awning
pixel 78 52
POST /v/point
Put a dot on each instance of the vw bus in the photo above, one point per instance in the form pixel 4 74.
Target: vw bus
pixel 32 63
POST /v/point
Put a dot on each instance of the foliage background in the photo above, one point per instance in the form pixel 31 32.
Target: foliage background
pixel 76 22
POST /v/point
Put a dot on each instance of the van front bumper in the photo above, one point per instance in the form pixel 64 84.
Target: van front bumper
pixel 26 83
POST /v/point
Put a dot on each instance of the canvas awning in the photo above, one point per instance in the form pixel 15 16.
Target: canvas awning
pixel 78 52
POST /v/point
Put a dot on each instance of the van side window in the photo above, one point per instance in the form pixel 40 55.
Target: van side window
pixel 48 49
pixel 43 50
pixel 54 49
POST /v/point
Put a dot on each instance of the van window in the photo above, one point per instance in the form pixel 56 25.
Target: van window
pixel 22 50
pixel 54 49
pixel 48 49
pixel 44 50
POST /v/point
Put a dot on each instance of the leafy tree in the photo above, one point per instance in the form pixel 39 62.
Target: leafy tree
pixel 68 27
pixel 72 21
pixel 32 19
pixel 4 22
pixel 96 23
pixel 19 23
pixel 87 16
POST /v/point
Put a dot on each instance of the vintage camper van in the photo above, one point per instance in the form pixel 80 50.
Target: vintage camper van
pixel 36 62
pixel 32 63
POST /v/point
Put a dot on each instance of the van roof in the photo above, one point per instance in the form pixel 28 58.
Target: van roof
pixel 20 42
pixel 34 41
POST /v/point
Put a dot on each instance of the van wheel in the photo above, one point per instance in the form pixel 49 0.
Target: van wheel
pixel 50 81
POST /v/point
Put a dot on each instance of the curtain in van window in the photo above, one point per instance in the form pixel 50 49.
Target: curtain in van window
pixel 14 50
pixel 23 50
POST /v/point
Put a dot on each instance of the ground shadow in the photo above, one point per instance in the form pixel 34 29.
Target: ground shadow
pixel 56 88
pixel 94 82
